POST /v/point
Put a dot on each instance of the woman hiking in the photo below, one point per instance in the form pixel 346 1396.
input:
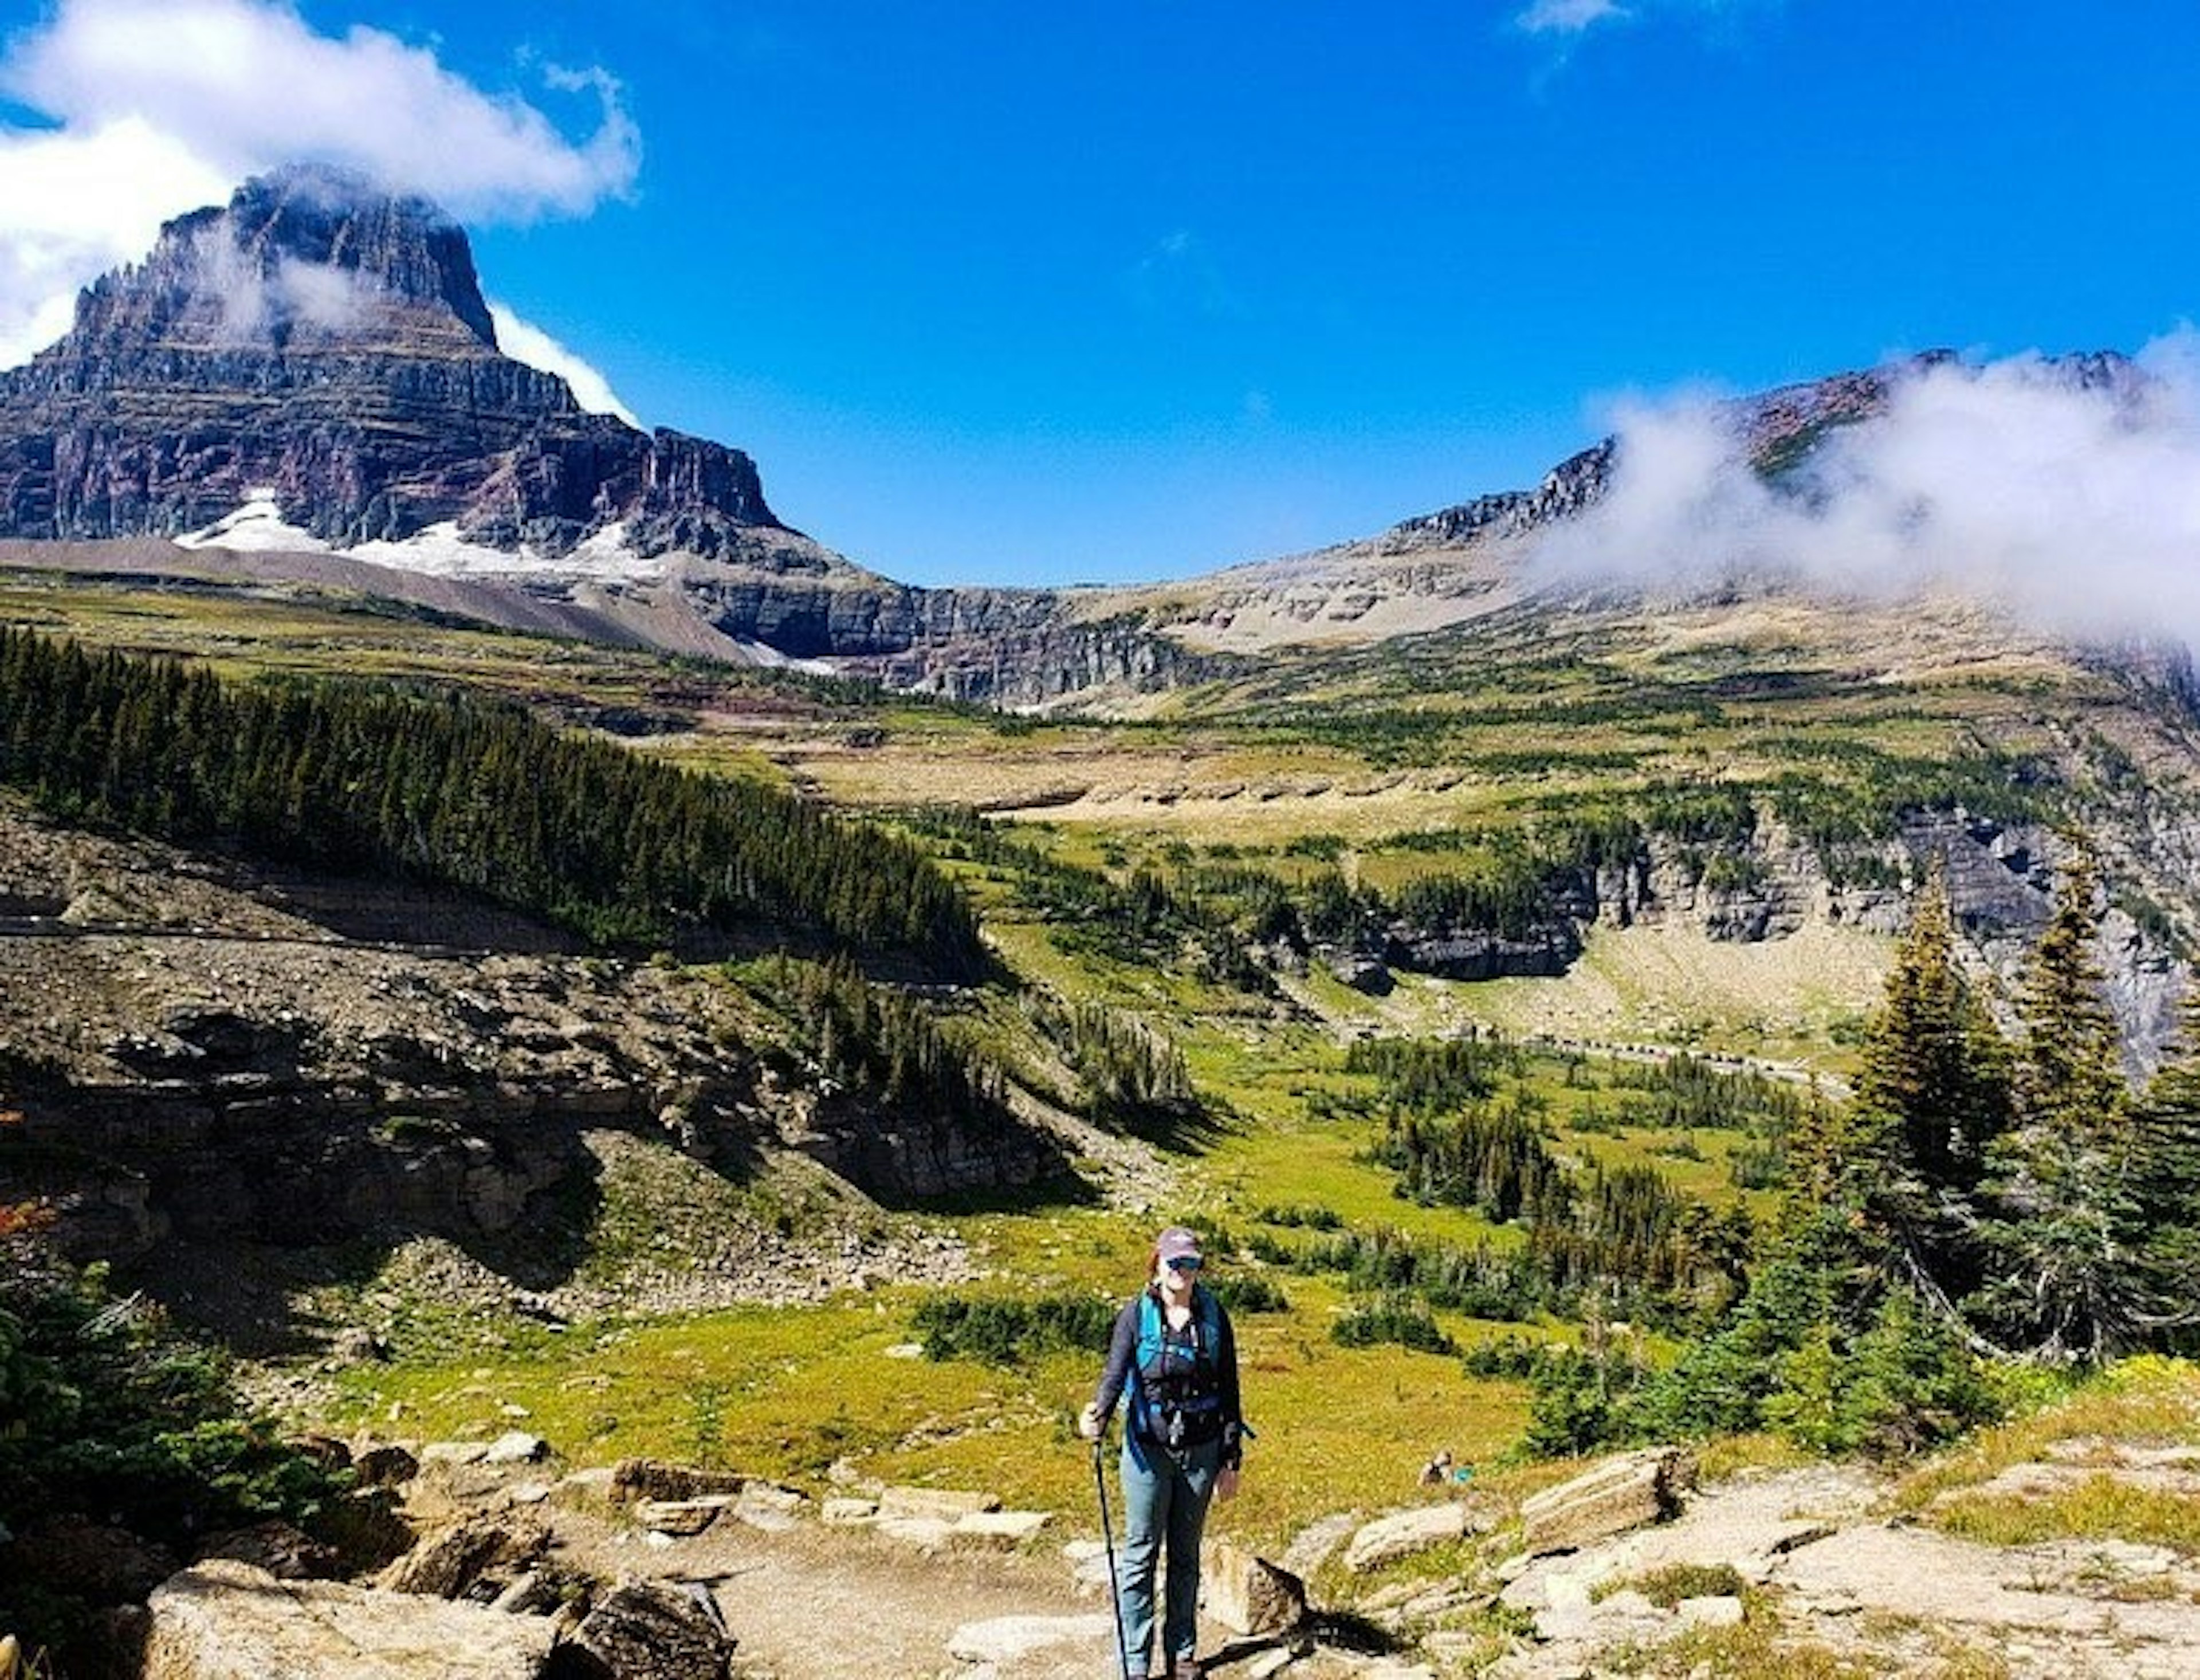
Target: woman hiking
pixel 1173 1360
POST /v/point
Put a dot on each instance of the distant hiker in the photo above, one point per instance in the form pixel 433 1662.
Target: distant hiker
pixel 1437 1471
pixel 1174 1363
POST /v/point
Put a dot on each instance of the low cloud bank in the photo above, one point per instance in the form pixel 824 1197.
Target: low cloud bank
pixel 2066 492
pixel 523 341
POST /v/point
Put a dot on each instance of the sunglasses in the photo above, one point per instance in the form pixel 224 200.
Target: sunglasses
pixel 1183 1262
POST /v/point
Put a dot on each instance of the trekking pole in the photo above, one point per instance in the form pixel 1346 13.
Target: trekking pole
pixel 1107 1539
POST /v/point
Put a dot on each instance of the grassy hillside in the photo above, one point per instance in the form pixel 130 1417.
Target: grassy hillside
pixel 1151 882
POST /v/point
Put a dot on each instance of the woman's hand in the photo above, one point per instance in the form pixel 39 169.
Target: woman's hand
pixel 1089 1421
pixel 1225 1484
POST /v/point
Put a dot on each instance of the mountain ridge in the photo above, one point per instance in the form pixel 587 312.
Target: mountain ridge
pixel 312 368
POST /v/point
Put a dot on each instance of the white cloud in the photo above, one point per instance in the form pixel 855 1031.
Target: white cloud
pixel 1569 20
pixel 1179 277
pixel 156 107
pixel 1566 17
pixel 523 342
pixel 74 203
pixel 2076 504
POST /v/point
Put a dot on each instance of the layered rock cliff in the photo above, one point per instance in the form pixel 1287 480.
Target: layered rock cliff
pixel 327 345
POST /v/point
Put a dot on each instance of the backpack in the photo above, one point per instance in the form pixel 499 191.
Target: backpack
pixel 1170 1424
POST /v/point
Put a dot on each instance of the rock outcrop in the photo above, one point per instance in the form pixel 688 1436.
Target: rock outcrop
pixel 1621 1493
pixel 229 1621
pixel 651 1630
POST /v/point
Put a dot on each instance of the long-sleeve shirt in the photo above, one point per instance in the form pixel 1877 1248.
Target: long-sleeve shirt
pixel 1179 1375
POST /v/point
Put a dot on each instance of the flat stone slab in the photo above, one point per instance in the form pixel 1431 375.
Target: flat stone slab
pixel 453 1452
pixel 679 1517
pixel 998 1531
pixel 1723 1611
pixel 770 1496
pixel 1011 1639
pixel 1403 1533
pixel 950 1503
pixel 768 1507
pixel 1630 1490
pixel 926 1534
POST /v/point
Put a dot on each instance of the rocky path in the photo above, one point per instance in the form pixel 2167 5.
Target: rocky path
pixel 1798 1571
pixel 1892 1597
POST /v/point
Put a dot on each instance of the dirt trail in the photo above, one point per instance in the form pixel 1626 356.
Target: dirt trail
pixel 818 1603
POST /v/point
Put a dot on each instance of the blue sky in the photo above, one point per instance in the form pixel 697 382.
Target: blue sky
pixel 1045 293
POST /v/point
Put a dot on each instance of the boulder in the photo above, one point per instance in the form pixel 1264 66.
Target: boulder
pixel 1248 1595
pixel 288 1553
pixel 449 1562
pixel 1622 1493
pixel 368 1530
pixel 384 1465
pixel 1403 1533
pixel 225 1620
pixel 766 1506
pixel 516 1446
pixel 652 1630
pixel 680 1517
pixel 654 1478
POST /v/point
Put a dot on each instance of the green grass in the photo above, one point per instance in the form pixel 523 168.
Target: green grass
pixel 788 1391
pixel 2100 1508
pixel 2145 1402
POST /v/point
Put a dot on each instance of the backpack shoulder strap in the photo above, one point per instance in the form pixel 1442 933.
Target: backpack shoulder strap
pixel 1150 1325
pixel 1210 1321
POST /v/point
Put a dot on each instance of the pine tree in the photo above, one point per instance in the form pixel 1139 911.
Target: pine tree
pixel 2166 1125
pixel 2064 1216
pixel 1933 1095
pixel 1932 1060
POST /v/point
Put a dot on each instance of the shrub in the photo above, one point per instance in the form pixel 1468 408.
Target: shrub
pixel 1250 1292
pixel 1402 1321
pixel 1308 1216
pixel 106 1411
pixel 1004 1331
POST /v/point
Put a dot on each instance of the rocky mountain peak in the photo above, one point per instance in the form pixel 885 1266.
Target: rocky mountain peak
pixel 306 257
pixel 321 344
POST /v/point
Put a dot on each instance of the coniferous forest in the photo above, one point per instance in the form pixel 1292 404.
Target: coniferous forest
pixel 1987 1201
pixel 459 790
